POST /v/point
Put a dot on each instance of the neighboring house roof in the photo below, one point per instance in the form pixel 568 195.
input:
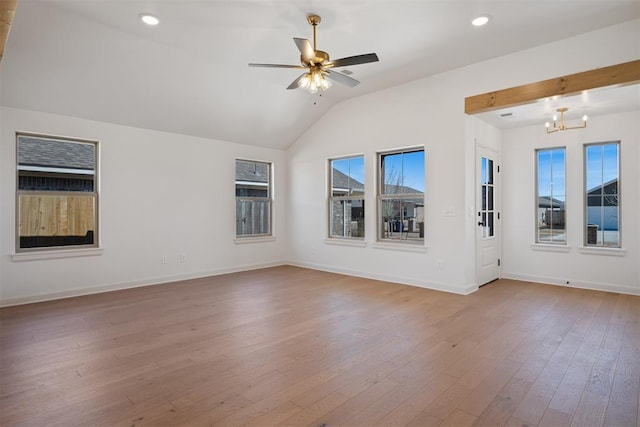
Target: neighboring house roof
pixel 610 187
pixel 400 189
pixel 549 202
pixel 252 171
pixel 342 181
pixel 55 153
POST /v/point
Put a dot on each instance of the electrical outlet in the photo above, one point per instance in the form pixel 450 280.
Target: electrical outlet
pixel 440 264
pixel 164 259
pixel 183 257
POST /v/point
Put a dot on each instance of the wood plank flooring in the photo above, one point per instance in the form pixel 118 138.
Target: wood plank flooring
pixel 289 346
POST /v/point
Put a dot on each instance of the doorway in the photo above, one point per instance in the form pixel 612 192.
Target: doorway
pixel 488 216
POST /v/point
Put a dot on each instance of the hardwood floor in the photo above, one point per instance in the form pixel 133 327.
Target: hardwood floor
pixel 290 346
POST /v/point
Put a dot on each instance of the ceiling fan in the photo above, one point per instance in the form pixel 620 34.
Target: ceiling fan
pixel 318 64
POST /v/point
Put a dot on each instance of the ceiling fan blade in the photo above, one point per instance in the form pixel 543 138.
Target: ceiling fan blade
pixel 341 78
pixel 294 84
pixel 276 66
pixel 354 60
pixel 305 48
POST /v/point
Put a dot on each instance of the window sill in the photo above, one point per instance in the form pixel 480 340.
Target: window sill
pixel 243 240
pixel 602 251
pixel 408 247
pixel 550 248
pixel 58 254
pixel 345 242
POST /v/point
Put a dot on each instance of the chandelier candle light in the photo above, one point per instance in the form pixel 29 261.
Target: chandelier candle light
pixel 560 126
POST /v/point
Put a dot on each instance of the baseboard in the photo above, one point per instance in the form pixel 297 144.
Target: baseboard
pixel 594 286
pixel 466 290
pixel 150 281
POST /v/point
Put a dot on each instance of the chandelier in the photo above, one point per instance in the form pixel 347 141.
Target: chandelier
pixel 560 126
pixel 314 81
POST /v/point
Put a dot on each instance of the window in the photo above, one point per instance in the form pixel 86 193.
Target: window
pixel 253 198
pixel 602 194
pixel 401 195
pixel 551 196
pixel 346 200
pixel 57 196
pixel 488 209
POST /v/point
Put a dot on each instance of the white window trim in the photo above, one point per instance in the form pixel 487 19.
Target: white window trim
pixel 356 242
pixel 257 238
pixel 254 239
pixel 401 247
pixel 601 249
pixel 541 243
pixel 548 247
pixel 343 240
pixel 56 252
pixel 395 244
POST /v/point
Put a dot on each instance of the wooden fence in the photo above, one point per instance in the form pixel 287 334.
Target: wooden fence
pixel 56 215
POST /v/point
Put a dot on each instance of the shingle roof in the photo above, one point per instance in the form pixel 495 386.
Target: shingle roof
pixel 55 153
pixel 341 180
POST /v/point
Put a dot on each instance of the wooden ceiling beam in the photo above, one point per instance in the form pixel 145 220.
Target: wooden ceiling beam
pixel 620 74
pixel 7 12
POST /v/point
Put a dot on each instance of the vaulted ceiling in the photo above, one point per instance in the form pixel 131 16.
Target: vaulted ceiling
pixel 95 59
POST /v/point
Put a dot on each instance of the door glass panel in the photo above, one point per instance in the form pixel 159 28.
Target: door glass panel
pixel 487 194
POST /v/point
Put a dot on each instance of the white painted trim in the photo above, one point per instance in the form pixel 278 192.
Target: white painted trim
pixel 550 248
pixel 402 247
pixel 604 287
pixel 358 243
pixel 592 250
pixel 466 290
pixel 243 240
pixel 57 254
pixel 150 281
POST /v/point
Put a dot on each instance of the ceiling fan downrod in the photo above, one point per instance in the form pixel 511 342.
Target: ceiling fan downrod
pixel 314 20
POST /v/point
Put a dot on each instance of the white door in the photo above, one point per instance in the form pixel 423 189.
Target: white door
pixel 488 217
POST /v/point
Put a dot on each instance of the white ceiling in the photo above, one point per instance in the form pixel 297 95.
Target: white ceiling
pixel 189 75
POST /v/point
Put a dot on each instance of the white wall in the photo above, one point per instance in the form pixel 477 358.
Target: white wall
pixel 160 194
pixel 167 194
pixel 429 111
pixel 595 270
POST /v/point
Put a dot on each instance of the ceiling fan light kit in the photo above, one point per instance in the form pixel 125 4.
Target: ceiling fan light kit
pixel 559 126
pixel 319 65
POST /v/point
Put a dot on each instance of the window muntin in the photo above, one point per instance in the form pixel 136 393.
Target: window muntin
pixel 253 198
pixel 551 196
pixel 57 198
pixel 602 194
pixel 401 196
pixel 346 200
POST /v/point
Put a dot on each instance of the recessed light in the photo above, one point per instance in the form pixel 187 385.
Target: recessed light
pixel 481 20
pixel 149 19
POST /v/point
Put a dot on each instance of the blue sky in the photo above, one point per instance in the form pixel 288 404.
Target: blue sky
pixel 602 164
pixel 410 163
pixel 551 173
pixel 352 166
pixel 602 167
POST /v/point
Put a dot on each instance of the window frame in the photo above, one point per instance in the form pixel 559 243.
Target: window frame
pixel 381 196
pixel 537 239
pixel 346 198
pixel 269 199
pixel 618 194
pixel 62 250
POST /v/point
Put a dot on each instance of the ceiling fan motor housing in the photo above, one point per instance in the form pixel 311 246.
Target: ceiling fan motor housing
pixel 320 57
